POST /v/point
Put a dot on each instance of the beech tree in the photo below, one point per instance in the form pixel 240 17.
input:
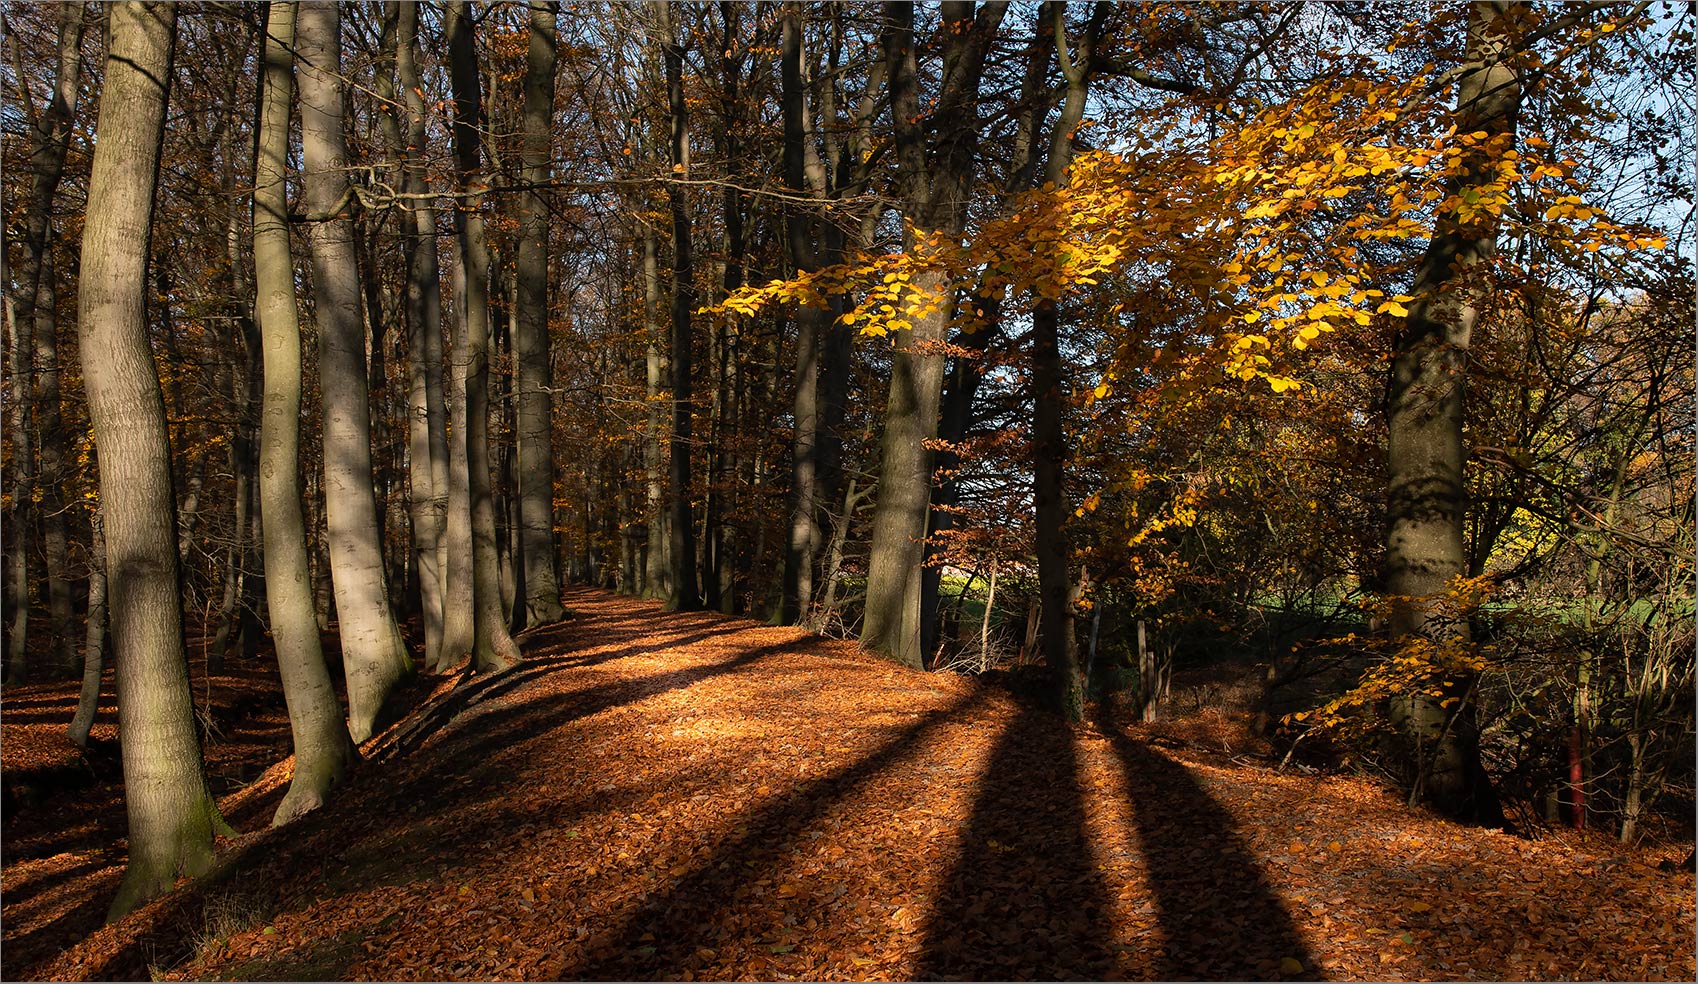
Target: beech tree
pixel 172 815
pixel 321 741
pixel 491 646
pixel 936 152
pixel 535 407
pixel 374 656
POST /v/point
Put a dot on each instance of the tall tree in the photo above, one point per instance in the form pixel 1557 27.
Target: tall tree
pixel 936 153
pixel 802 169
pixel 686 595
pixel 1425 495
pixel 374 656
pixel 172 817
pixel 94 636
pixel 492 647
pixel 535 411
pixel 321 741
pixel 427 419
pixel 35 347
pixel 1049 433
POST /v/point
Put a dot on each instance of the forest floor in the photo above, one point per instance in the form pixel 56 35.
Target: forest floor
pixel 655 795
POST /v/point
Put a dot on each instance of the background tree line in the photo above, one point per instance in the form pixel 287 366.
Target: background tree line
pixel 988 334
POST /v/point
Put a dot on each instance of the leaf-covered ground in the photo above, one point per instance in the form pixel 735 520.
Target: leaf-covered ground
pixel 690 796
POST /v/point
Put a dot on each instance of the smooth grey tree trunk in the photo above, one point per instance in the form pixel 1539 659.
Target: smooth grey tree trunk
pixel 94 635
pixel 427 431
pixel 172 816
pixel 535 421
pixel 1426 492
pixel 493 648
pixel 323 750
pixel 374 656
pixel 656 568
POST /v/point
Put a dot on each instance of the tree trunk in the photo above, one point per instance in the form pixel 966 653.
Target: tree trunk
pixel 802 543
pixel 373 654
pixel 1425 507
pixel 23 489
pixel 656 569
pixel 1049 399
pixel 37 314
pixel 493 648
pixel 323 750
pixel 535 420
pixel 427 417
pixel 686 596
pixel 94 636
pixel 172 817
pixel 935 178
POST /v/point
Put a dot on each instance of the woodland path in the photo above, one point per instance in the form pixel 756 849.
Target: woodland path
pixel 658 795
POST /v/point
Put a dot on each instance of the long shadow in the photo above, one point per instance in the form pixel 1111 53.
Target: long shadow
pixel 1024 899
pixel 301 847
pixel 53 935
pixel 427 721
pixel 1221 918
pixel 685 917
pixel 18 895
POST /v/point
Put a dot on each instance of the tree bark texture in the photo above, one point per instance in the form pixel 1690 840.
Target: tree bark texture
pixel 321 741
pixel 172 817
pixel 374 656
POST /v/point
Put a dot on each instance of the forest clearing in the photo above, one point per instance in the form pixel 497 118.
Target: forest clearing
pixel 530 489
pixel 665 796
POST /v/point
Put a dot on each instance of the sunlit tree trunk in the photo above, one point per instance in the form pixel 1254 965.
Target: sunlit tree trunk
pixel 321 741
pixel 1426 499
pixel 427 431
pixel 657 569
pixel 172 817
pixel 535 410
pixel 373 653
pixel 493 648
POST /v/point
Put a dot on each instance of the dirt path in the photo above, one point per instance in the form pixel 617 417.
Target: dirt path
pixel 658 795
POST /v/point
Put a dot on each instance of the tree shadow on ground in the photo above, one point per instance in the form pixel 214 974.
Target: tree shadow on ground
pixel 1220 917
pixel 424 722
pixel 1024 899
pixel 661 938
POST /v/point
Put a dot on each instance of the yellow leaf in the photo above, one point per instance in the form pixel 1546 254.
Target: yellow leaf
pixel 1290 965
pixel 1418 906
pixel 1252 317
pixel 1101 390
